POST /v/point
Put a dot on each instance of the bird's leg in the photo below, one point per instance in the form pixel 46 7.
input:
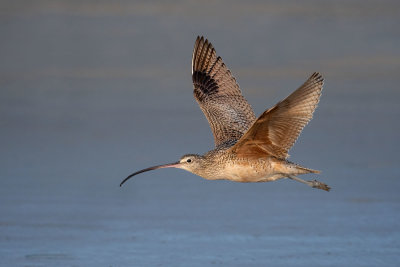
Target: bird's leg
pixel 313 183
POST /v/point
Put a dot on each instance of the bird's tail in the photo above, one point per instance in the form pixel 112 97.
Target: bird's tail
pixel 291 168
pixel 297 169
pixel 304 170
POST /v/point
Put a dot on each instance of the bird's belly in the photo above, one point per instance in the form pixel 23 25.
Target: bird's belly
pixel 248 172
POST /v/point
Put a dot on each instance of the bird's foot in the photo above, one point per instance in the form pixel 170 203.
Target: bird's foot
pixel 319 185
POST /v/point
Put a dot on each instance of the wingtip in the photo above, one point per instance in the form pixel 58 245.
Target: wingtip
pixel 317 77
pixel 202 51
pixel 200 39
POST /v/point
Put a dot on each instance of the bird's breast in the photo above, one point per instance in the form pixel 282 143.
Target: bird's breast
pixel 261 170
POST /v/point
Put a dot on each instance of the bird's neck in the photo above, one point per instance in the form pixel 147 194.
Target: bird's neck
pixel 213 165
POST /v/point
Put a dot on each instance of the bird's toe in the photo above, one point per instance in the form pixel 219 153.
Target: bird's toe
pixel 319 185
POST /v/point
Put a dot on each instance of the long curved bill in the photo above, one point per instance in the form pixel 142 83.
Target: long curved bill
pixel 170 165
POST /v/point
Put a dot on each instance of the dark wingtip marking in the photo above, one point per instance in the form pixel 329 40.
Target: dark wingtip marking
pixel 317 76
pixel 204 85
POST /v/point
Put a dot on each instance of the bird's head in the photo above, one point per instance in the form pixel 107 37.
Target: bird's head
pixel 188 162
pixel 191 162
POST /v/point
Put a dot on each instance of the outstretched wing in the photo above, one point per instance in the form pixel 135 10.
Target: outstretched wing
pixel 278 128
pixel 218 95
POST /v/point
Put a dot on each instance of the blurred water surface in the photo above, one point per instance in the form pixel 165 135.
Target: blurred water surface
pixel 91 91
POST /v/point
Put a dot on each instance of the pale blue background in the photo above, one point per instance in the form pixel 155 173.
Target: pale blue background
pixel 91 91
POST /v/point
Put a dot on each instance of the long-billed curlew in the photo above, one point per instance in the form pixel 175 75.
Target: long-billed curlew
pixel 246 149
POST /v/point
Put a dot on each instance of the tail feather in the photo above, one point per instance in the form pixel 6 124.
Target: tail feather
pixel 304 170
pixel 290 168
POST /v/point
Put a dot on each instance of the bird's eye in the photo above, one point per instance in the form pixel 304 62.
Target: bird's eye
pixel 188 160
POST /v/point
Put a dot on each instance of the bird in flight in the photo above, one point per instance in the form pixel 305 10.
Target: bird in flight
pixel 247 149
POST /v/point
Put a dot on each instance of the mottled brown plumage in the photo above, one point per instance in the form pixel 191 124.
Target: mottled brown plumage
pixel 219 95
pixel 246 149
pixel 278 128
